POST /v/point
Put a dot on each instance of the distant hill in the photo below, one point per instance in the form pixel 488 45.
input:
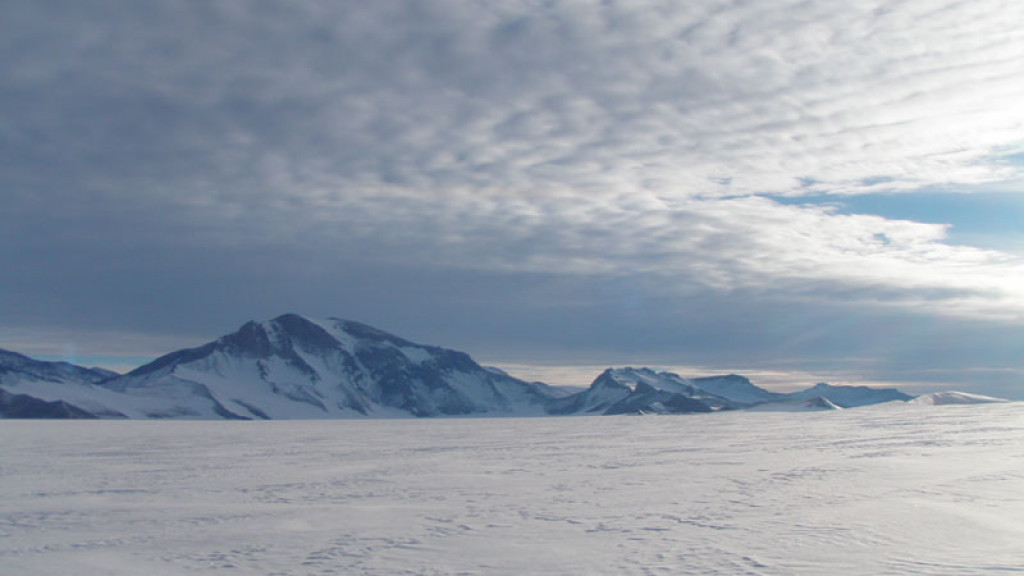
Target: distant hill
pixel 618 388
pixel 953 397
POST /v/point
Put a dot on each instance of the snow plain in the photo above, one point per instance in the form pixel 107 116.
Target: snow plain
pixel 893 489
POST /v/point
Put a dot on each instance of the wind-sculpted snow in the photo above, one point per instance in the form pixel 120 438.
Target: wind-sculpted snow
pixel 891 489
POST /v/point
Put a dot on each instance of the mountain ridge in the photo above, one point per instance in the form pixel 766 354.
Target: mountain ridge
pixel 293 366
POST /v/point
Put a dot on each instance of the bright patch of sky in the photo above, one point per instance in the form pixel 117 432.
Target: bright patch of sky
pixel 975 216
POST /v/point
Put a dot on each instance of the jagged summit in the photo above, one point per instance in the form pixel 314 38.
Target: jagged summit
pixel 254 339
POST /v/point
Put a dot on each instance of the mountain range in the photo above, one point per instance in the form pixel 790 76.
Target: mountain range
pixel 293 367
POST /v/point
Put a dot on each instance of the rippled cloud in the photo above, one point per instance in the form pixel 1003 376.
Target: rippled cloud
pixel 147 146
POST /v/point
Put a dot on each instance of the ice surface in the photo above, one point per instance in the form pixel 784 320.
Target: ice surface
pixel 886 490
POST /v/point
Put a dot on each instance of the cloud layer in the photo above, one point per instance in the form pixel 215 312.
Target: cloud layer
pixel 708 99
pixel 569 154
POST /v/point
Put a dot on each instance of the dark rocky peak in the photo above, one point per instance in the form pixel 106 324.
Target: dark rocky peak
pixel 250 340
pixel 607 380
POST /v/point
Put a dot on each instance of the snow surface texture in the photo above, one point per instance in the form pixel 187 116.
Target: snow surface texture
pixel 898 489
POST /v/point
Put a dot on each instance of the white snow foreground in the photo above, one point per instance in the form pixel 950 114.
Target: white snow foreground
pixel 869 491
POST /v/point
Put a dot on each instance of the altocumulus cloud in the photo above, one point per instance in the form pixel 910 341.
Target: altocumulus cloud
pixel 598 140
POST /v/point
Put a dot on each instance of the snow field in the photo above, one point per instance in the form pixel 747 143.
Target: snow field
pixel 886 490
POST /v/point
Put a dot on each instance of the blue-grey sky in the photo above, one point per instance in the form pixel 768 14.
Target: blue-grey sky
pixel 798 190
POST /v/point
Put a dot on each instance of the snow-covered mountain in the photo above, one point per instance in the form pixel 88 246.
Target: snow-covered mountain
pixel 32 388
pixel 288 367
pixel 953 397
pixel 738 389
pixel 640 390
pixel 851 396
pixel 295 367
pixel 645 399
pixel 631 390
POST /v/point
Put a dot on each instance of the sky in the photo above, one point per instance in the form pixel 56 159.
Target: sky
pixel 798 191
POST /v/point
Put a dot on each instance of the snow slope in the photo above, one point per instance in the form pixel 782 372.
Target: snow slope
pixel 892 490
pixel 816 404
pixel 24 406
pixel 738 389
pixel 15 366
pixel 54 389
pixel 953 397
pixel 851 396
